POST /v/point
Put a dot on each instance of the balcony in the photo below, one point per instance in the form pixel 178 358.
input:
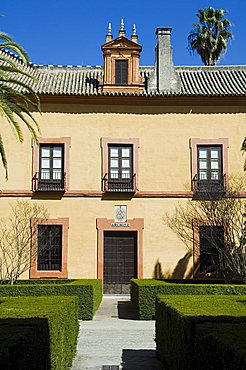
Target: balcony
pixel 42 182
pixel 209 189
pixel 119 185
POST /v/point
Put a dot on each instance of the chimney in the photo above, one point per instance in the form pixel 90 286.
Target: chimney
pixel 109 36
pixel 164 78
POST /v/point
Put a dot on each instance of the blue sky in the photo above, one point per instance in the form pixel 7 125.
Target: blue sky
pixel 72 32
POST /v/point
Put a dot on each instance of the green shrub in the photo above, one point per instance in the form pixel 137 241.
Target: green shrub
pixel 145 291
pixel 177 318
pixel 225 344
pixel 42 281
pixel 89 292
pixel 23 344
pixel 39 333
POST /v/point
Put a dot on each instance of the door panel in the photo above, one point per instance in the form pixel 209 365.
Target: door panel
pixel 120 257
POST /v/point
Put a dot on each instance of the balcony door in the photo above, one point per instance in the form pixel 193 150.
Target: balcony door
pixel 209 163
pixel 120 168
pixel 210 179
pixel 51 162
pixel 51 173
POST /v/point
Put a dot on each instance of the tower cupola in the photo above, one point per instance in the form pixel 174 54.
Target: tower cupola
pixel 121 62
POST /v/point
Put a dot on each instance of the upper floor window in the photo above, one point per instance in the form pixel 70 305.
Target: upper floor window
pixel 209 163
pixel 120 168
pixel 209 167
pixel 120 162
pixel 51 164
pixel 121 72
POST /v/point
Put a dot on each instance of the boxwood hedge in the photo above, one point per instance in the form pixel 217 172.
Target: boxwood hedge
pixel 225 344
pixel 89 292
pixel 178 330
pixel 38 332
pixel 23 344
pixel 145 291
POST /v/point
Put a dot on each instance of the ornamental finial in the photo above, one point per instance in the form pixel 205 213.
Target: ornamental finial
pixel 134 34
pixel 122 26
pixel 109 36
pixel 122 31
pixel 109 29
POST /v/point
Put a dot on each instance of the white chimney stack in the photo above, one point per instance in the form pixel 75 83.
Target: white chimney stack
pixel 164 78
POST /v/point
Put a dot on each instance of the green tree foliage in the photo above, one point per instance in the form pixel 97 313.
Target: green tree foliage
pixel 16 96
pixel 209 37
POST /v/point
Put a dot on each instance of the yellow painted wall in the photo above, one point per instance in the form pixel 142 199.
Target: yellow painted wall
pixel 164 155
pixel 164 165
pixel 160 244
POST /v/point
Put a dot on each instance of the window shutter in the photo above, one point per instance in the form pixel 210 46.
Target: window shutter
pixel 121 72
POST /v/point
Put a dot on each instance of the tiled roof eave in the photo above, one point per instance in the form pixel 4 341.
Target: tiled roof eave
pixel 142 94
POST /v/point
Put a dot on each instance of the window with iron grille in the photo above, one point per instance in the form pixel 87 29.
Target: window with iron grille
pixel 121 72
pixel 49 247
pixel 211 241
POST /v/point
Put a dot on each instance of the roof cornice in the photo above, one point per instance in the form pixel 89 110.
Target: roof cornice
pixel 146 100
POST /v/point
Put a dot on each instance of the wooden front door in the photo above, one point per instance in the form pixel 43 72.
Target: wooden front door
pixel 120 260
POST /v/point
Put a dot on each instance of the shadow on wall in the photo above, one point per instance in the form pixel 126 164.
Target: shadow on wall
pixel 178 272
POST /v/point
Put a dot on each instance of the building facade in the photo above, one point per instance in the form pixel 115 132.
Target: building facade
pixel 122 145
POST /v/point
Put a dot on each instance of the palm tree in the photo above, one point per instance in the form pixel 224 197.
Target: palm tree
pixel 16 96
pixel 209 38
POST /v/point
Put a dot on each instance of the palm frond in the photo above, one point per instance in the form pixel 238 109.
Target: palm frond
pixel 12 45
pixel 209 38
pixel 3 157
pixel 29 126
pixel 8 110
pixel 17 95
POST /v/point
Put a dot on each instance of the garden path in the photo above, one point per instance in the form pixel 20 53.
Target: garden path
pixel 115 339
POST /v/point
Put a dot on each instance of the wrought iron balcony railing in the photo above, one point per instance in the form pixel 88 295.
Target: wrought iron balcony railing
pixel 209 189
pixel 42 182
pixel 119 184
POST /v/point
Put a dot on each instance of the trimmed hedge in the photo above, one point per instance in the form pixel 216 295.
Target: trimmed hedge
pixel 42 281
pixel 23 344
pixel 39 333
pixel 145 291
pixel 177 320
pixel 225 344
pixel 89 292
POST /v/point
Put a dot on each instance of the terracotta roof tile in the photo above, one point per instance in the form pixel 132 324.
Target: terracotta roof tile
pixel 78 80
